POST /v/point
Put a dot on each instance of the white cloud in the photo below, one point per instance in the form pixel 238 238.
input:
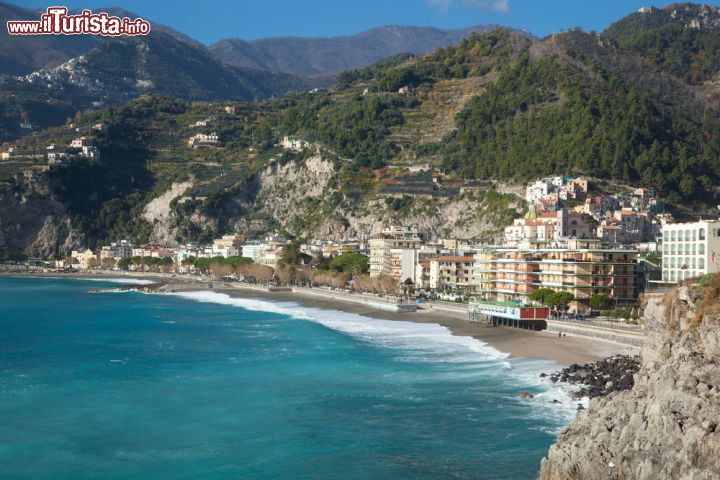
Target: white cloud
pixel 443 5
pixel 498 6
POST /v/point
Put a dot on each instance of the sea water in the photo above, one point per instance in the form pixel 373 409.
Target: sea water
pixel 204 386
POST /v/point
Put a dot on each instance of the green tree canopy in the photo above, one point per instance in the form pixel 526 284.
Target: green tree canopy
pixel 541 294
pixel 559 300
pixel 293 256
pixel 352 262
pixel 600 301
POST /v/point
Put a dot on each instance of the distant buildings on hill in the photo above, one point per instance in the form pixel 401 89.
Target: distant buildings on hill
pixel 572 239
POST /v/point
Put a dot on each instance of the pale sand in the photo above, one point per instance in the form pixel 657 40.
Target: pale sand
pixel 518 343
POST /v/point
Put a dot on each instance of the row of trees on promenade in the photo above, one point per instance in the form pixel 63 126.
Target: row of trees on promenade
pixel 294 267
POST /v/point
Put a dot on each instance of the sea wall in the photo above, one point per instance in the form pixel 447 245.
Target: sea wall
pixel 666 427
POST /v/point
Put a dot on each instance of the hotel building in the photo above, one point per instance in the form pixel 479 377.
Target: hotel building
pixel 451 271
pixel 583 269
pixel 690 250
pixel 386 252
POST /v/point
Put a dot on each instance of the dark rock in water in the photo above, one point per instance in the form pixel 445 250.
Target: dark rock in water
pixel 543 375
pixel 580 407
pixel 612 374
pixel 556 401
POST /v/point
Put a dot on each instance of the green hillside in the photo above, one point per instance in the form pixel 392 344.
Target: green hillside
pixel 573 103
pixel 683 39
pixel 497 107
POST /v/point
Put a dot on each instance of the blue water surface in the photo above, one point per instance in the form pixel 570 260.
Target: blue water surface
pixel 134 386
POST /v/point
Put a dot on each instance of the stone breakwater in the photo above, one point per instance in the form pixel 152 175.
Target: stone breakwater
pixel 612 374
pixel 666 425
pixel 151 288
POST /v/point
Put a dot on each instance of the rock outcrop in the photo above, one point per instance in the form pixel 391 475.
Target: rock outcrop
pixel 159 213
pixel 666 426
pixel 302 197
pixel 34 223
pixel 612 374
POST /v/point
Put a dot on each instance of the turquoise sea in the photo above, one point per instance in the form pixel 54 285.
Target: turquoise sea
pixel 204 386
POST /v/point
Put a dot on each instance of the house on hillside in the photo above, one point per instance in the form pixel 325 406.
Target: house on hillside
pixel 86 148
pixel 203 139
pixel 55 154
pixel 7 154
pixel 294 144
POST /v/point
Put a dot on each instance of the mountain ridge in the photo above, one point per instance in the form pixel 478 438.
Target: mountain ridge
pixel 327 56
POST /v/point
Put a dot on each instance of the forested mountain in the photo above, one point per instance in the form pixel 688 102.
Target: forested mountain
pixel 162 64
pixel 572 103
pixel 25 54
pixel 116 70
pixel 324 57
pixel 683 39
pixel 491 112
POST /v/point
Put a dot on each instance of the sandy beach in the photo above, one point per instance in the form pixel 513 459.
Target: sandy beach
pixel 518 343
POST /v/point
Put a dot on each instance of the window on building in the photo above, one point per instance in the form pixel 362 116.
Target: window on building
pixel 701 234
pixel 694 235
pixel 687 249
pixel 672 235
pixel 701 249
pixel 687 235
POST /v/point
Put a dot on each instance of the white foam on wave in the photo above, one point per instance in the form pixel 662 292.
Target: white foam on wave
pixel 428 342
pixel 418 341
pixel 555 400
pixel 133 281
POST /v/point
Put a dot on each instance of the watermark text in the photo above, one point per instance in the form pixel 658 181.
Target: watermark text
pixel 56 21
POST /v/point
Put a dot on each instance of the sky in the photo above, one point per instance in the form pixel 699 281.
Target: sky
pixel 212 20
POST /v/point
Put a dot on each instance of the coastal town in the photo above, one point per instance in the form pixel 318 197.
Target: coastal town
pixel 578 250
pixel 406 240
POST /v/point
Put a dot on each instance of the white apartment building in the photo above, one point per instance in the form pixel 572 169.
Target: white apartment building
pixel 452 271
pixel 690 249
pixel 382 259
pixel 537 190
pixel 117 250
pixel 227 245
pixel 254 251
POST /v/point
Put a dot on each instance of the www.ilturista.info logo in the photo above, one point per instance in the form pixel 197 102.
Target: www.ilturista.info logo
pixel 57 22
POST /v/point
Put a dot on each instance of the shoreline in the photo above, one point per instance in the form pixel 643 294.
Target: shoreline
pixel 517 343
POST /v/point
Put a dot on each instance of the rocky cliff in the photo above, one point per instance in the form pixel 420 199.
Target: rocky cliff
pixel 666 427
pixel 302 197
pixel 33 222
